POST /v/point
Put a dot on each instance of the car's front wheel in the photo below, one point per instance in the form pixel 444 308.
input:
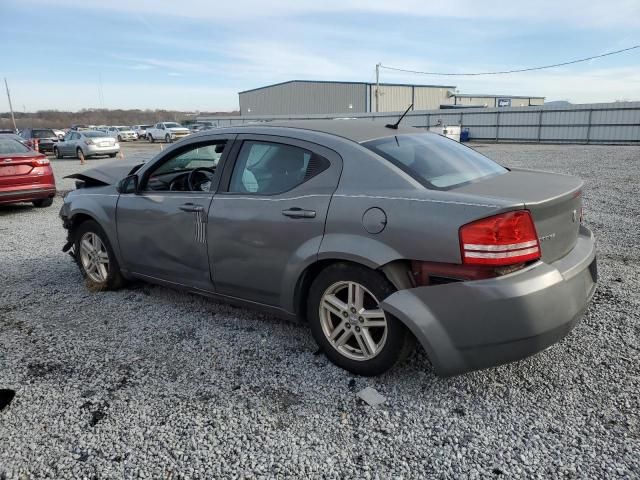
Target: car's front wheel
pixel 167 138
pixel 349 324
pixel 57 153
pixel 150 138
pixel 95 258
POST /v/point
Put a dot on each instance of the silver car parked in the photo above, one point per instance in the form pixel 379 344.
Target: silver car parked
pixel 375 236
pixel 86 143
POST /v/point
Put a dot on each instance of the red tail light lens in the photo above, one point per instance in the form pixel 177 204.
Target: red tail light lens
pixel 40 162
pixel 504 239
pixel 88 142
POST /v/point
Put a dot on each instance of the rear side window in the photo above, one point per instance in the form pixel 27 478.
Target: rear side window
pixel 270 168
pixel 9 146
pixel 435 161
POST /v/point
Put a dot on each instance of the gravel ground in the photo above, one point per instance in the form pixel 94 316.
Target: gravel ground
pixel 148 382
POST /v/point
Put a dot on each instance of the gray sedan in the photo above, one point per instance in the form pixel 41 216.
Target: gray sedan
pixel 374 236
pixel 86 143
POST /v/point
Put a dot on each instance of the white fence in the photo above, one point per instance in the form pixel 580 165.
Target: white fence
pixel 607 123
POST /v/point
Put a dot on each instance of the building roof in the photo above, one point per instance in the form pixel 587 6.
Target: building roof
pixel 484 95
pixel 352 129
pixel 347 83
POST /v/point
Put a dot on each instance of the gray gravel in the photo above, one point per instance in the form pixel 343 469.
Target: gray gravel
pixel 150 382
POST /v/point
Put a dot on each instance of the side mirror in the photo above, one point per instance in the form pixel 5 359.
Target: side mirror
pixel 128 184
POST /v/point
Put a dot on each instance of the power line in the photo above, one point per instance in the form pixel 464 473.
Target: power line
pixel 571 62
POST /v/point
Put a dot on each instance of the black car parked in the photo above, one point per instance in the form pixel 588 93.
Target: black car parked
pixel 40 139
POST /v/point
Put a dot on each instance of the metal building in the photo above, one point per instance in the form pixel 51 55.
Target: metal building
pixel 327 97
pixel 491 101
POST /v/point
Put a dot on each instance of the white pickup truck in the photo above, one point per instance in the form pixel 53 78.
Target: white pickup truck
pixel 166 131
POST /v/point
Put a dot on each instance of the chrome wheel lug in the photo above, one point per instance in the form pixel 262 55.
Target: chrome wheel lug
pixel 357 329
pixel 345 314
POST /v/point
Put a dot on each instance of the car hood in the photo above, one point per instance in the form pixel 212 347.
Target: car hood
pixel 108 173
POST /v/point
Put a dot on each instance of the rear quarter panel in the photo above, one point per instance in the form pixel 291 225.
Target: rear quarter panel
pixel 421 224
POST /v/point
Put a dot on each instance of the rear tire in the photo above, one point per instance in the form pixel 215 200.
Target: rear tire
pixel 43 202
pixel 96 259
pixel 348 324
pixel 80 155
pixel 57 153
pixel 119 138
pixel 112 155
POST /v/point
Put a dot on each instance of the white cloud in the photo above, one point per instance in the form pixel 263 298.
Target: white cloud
pixel 575 12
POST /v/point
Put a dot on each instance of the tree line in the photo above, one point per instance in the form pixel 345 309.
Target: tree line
pixel 90 116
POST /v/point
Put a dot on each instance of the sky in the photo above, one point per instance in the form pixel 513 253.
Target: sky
pixel 197 55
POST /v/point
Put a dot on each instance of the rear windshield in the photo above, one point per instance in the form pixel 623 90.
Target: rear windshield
pixel 44 134
pixel 10 146
pixel 435 161
pixel 93 134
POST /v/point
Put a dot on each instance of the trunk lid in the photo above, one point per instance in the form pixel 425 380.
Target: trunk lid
pixel 555 203
pixel 16 168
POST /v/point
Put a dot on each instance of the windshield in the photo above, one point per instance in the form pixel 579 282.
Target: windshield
pixel 435 161
pixel 172 125
pixel 123 129
pixel 10 146
pixel 44 134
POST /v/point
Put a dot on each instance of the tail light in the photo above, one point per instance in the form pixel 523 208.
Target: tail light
pixel 88 142
pixel 505 239
pixel 40 162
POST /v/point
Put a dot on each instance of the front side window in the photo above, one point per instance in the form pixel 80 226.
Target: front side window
pixel 190 170
pixel 435 161
pixel 269 168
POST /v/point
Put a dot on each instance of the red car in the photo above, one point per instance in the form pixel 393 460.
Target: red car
pixel 25 175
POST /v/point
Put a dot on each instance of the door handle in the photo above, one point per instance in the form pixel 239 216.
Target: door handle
pixel 190 207
pixel 297 212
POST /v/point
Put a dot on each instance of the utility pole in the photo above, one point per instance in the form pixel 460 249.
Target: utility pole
pixel 13 119
pixel 377 85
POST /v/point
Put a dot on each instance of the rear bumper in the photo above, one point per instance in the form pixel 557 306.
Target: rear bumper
pixel 27 194
pixel 471 325
pixel 91 150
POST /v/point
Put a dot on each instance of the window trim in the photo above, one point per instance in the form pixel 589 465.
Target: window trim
pixel 234 155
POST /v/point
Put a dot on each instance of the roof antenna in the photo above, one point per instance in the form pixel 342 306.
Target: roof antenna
pixel 395 125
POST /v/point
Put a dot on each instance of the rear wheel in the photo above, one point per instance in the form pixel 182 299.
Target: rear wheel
pixel 119 138
pixel 112 155
pixel 349 324
pixel 80 155
pixel 95 258
pixel 57 153
pixel 43 202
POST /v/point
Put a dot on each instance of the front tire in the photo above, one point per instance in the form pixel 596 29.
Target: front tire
pixel 112 155
pixel 348 323
pixel 57 153
pixel 167 138
pixel 95 258
pixel 150 138
pixel 119 138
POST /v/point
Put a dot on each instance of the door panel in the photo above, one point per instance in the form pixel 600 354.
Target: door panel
pixel 162 229
pixel 260 243
pixel 162 235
